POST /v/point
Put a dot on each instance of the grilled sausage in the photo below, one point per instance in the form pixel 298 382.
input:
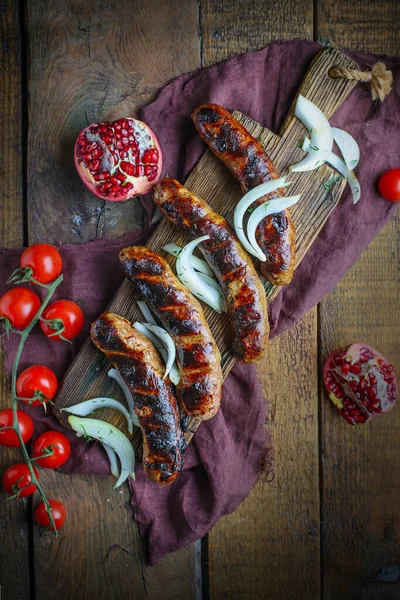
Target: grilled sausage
pixel 245 156
pixel 247 304
pixel 155 404
pixel 200 387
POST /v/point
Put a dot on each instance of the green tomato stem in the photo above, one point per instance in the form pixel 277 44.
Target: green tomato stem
pixel 28 460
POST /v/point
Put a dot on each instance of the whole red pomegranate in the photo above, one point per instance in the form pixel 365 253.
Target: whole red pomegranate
pixel 118 160
pixel 360 382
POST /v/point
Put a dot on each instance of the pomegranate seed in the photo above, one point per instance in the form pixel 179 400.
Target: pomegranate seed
pixel 94 165
pixel 128 186
pixel 150 156
pixel 127 168
pixel 114 180
pixel 97 153
pixel 140 170
pixel 119 144
pixel 345 368
pixel 102 128
pixel 125 140
pixel 356 368
pixel 120 176
pixel 123 154
pixel 87 156
pixel 105 175
pixel 97 177
pixel 116 188
pixel 118 135
pixel 117 126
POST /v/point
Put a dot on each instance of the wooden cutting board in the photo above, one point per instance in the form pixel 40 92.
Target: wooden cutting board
pixel 210 179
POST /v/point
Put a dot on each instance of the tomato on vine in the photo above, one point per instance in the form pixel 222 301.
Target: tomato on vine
pixel 8 437
pixel 37 382
pixel 54 447
pixel 62 320
pixel 18 306
pixel 58 511
pixel 43 262
pixel 17 480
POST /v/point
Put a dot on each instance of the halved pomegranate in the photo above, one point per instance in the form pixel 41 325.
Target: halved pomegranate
pixel 360 382
pixel 118 160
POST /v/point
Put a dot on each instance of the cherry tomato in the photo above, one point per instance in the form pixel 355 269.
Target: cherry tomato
pixel 389 185
pixel 69 313
pixel 8 437
pixel 17 479
pixel 44 260
pixel 19 306
pixel 37 378
pixel 55 441
pixel 58 511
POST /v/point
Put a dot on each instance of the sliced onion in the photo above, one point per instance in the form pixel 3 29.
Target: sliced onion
pixel 214 284
pixel 352 180
pixel 198 263
pixel 320 132
pixel 85 408
pixel 113 437
pixel 191 279
pixel 116 375
pixel 348 147
pixel 146 312
pixel 271 207
pixel 112 457
pixel 245 203
pixel 174 373
pixel 168 343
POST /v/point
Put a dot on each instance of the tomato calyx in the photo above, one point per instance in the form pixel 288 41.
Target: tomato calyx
pixel 38 395
pixel 58 326
pixel 16 490
pixel 6 325
pixel 45 452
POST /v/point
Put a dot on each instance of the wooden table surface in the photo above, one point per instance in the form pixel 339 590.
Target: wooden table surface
pixel 329 523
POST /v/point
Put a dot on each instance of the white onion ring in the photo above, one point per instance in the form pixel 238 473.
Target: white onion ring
pixel 320 132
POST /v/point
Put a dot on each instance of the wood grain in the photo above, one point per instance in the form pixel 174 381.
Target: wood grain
pixel 359 466
pixel 89 61
pixel 14 516
pixel 269 547
pixel 92 61
pixel 230 28
pixel 87 377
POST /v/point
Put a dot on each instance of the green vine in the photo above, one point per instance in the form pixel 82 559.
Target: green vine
pixel 14 398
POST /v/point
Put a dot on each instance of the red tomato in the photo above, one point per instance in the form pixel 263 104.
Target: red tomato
pixel 44 260
pixel 37 378
pixel 389 185
pixel 58 511
pixel 17 479
pixel 19 306
pixel 55 441
pixel 69 313
pixel 9 436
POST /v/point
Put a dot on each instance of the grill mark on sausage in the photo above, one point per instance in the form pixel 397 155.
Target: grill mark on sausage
pixel 155 404
pixel 232 265
pixel 248 162
pixel 183 317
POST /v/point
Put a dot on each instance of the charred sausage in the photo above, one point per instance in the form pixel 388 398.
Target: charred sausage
pixel 245 156
pixel 247 304
pixel 200 387
pixel 155 404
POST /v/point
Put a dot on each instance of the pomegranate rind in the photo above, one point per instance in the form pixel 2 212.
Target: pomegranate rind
pixel 139 185
pixel 360 382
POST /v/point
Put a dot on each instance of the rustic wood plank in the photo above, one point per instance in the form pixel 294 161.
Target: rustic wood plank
pixel 269 547
pixel 211 180
pixel 359 474
pixel 230 28
pixel 99 552
pixel 14 516
pixel 91 61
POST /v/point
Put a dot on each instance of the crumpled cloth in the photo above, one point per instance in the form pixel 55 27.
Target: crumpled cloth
pixel 227 452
